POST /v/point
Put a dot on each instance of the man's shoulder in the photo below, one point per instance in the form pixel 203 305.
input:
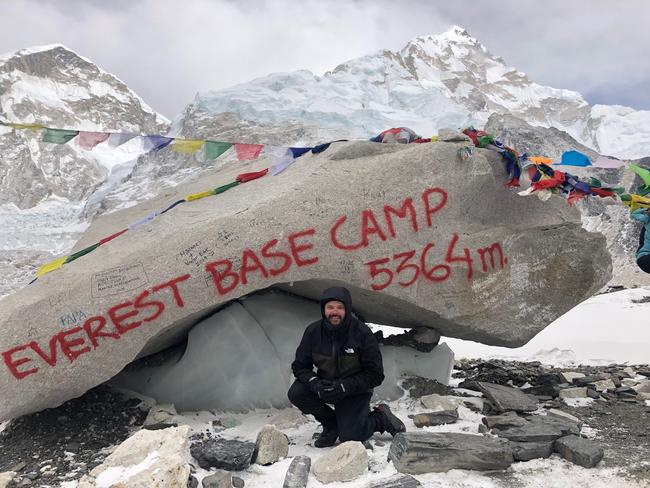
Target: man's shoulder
pixel 313 326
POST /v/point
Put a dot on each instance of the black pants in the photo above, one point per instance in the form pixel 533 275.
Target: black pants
pixel 644 261
pixel 351 415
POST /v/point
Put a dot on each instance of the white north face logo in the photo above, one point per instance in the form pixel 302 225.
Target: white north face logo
pixel 349 350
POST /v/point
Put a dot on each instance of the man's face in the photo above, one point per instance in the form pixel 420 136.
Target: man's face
pixel 335 312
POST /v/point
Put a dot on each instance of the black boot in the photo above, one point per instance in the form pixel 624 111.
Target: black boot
pixel 328 437
pixel 392 424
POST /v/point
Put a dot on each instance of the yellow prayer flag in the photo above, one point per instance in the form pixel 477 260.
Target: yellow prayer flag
pixel 637 201
pixel 51 266
pixel 34 127
pixel 187 146
pixel 196 196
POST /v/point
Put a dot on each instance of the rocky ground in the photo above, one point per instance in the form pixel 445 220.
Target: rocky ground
pixel 58 446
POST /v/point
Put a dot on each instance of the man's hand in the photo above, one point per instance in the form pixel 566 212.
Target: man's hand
pixel 332 391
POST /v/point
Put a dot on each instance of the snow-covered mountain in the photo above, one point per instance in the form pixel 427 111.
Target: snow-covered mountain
pixel 44 187
pixel 49 192
pixel 448 80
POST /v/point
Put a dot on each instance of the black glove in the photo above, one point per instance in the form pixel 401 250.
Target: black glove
pixel 332 392
pixel 315 385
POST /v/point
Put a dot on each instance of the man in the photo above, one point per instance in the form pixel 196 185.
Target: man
pixel 348 366
pixel 643 251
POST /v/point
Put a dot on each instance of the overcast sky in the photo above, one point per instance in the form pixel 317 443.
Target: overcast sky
pixel 167 51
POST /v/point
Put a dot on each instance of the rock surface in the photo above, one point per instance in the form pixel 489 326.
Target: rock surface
pixel 580 451
pixel 420 452
pixel 506 398
pixel 525 451
pixel 440 417
pixel 345 462
pixel 124 288
pixel 231 455
pixel 298 473
pixel 158 458
pixel 271 445
pixel 396 481
pixel 220 479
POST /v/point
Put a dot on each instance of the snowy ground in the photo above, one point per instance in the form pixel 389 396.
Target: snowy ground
pixel 609 328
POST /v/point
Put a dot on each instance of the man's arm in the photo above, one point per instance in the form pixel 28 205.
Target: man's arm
pixel 303 365
pixel 372 367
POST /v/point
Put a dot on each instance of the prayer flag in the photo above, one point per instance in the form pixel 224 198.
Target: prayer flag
pixel 112 236
pixel 222 188
pixel 575 158
pixel 143 221
pixel 59 136
pixel 244 177
pixel 197 196
pixel 540 160
pixel 299 151
pixel 187 146
pixel 603 162
pixel 32 127
pixel 83 252
pixel 643 173
pixel 156 143
pixel 88 140
pixel 214 149
pixel 248 152
pixel 279 157
pixel 116 139
pixel 51 266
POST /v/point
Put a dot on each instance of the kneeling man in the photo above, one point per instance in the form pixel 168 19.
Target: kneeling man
pixel 348 366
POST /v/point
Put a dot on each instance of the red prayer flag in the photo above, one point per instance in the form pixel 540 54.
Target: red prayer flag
pixel 88 140
pixel 248 152
pixel 244 177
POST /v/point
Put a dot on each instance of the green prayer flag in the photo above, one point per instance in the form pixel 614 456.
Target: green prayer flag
pixel 642 172
pixel 83 252
pixel 59 136
pixel 595 182
pixel 223 188
pixel 215 149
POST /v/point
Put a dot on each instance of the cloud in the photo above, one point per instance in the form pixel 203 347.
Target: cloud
pixel 167 51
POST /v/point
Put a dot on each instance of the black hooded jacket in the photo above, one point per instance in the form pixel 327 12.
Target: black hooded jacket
pixel 348 352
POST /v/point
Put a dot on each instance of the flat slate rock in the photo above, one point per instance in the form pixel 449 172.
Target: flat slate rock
pixel 579 451
pixel 506 398
pixel 503 421
pixel 435 452
pixel 525 451
pixel 435 418
pixel 540 429
pixel 298 472
pixel 396 481
pixel 231 455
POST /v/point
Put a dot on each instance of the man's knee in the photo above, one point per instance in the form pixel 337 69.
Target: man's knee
pixel 644 263
pixel 298 393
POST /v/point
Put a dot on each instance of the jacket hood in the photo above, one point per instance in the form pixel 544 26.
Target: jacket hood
pixel 342 295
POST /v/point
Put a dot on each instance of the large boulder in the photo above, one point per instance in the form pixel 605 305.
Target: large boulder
pixel 420 237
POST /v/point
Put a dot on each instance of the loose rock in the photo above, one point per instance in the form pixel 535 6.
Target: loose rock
pixel 579 451
pixel 396 481
pixel 298 473
pixel 437 402
pixel 574 392
pixel 525 451
pixel 220 479
pixel 506 398
pixel 231 455
pixel 425 452
pixel 271 445
pixel 435 418
pixel 160 417
pixel 345 462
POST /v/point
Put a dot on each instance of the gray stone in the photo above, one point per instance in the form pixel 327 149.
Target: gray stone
pixel 451 135
pixel 345 462
pixel 590 379
pixel 396 481
pixel 506 398
pixel 219 479
pixel 540 429
pixel 525 451
pixel 554 412
pixel 237 482
pixel 192 482
pixel 643 386
pixel 503 421
pixel 271 445
pixel 160 417
pixel 580 392
pixel 603 385
pixel 427 452
pixel 569 376
pixel 438 402
pixel 579 451
pixel 6 477
pixel 231 455
pixel 298 472
pixel 435 418
pixel 178 260
pixel 147 458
